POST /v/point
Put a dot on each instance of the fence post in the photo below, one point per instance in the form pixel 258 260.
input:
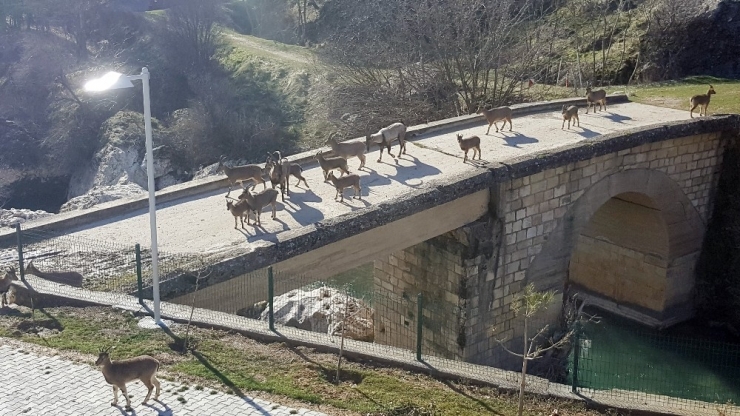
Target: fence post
pixel 139 283
pixel 419 314
pixel 576 355
pixel 270 298
pixel 19 235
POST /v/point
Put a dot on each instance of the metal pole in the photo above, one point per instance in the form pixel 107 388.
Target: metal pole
pixel 138 274
pixel 270 298
pixel 150 185
pixel 576 354
pixel 419 313
pixel 20 251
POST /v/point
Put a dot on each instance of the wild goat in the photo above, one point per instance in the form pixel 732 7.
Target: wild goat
pixel 330 163
pixel 594 97
pixel 239 209
pixel 68 278
pixel 352 180
pixel 468 143
pixel 257 202
pixel 118 373
pixel 241 173
pixel 386 136
pixel 701 101
pixel 295 170
pixel 280 172
pixel 347 150
pixel 495 115
pixel 6 285
pixel 569 113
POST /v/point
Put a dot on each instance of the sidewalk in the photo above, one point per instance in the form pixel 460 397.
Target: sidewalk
pixel 36 385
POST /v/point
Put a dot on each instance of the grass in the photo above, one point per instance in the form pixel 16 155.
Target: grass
pixel 230 362
pixel 676 94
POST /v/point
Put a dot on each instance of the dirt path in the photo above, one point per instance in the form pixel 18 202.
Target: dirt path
pixel 282 55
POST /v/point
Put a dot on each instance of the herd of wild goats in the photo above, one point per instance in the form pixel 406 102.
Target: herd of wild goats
pixel 279 169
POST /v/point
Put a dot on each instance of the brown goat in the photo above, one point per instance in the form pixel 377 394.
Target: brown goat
pixel 6 285
pixel 352 180
pixel 239 209
pixel 701 101
pixel 68 278
pixel 495 115
pixel 118 373
pixel 468 143
pixel 594 97
pixel 568 114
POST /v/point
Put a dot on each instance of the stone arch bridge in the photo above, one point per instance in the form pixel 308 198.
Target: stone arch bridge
pixel 618 218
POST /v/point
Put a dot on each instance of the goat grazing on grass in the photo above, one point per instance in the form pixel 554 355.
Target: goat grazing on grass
pixel 495 115
pixel 472 142
pixel 347 150
pixel 595 97
pixel 352 180
pixel 330 163
pixel 386 136
pixel 118 373
pixel 68 278
pixel 260 200
pixel 239 209
pixel 701 101
pixel 6 283
pixel 240 174
pixel 568 114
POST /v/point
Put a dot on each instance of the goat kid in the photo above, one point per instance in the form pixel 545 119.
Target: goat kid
pixel 240 209
pixel 386 136
pixel 352 180
pixel 568 114
pixel 118 373
pixel 701 101
pixel 472 142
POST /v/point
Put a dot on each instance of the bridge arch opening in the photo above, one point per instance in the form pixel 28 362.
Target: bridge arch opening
pixel 662 227
pixel 622 253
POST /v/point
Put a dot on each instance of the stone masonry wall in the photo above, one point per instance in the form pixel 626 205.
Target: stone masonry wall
pixel 443 270
pixel 532 206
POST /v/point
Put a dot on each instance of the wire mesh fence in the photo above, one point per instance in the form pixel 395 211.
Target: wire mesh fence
pixel 424 325
pixel 621 361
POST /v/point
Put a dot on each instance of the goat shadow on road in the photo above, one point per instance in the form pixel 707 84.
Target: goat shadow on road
pixel 405 174
pixel 588 133
pixel 303 214
pixel 516 139
pixel 167 411
pixel 262 234
pixel 613 117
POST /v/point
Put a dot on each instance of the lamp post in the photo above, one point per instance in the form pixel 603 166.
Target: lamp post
pixel 112 81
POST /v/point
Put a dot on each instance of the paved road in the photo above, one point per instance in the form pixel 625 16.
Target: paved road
pixel 35 385
pixel 201 224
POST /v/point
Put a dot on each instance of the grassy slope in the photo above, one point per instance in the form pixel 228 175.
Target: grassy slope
pixel 294 376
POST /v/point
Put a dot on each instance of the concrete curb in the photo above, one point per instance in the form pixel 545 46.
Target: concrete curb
pixel 65 221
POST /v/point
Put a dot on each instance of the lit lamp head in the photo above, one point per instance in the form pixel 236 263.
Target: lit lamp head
pixel 110 81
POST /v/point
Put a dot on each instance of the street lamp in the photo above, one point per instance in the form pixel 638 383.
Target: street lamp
pixel 112 81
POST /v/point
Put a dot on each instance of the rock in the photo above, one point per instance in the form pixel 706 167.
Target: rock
pixel 11 217
pixel 322 310
pixel 99 195
pixel 111 166
pixel 207 171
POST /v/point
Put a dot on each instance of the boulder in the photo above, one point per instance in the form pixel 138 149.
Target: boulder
pixel 11 217
pixel 319 310
pixel 101 194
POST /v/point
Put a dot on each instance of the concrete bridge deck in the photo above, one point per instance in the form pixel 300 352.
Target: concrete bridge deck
pixel 424 194
pixel 201 224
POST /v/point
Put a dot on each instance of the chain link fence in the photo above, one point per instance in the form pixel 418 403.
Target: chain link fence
pixel 604 360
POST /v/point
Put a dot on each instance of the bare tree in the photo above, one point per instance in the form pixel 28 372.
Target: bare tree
pixel 526 305
pixel 193 36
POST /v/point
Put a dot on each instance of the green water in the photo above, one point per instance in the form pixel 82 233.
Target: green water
pixel 358 281
pixel 619 354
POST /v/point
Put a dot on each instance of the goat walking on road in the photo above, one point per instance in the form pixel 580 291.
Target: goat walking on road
pixel 118 373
